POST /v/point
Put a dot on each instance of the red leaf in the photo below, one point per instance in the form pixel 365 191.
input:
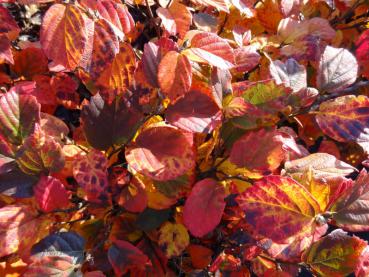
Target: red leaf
pixel 204 207
pixel 6 55
pixel 124 256
pixel 51 194
pixel 362 50
pixel 153 53
pixel 260 150
pixel 195 112
pixel 212 49
pixel 161 153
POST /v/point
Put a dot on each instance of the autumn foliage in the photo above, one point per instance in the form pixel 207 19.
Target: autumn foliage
pixel 184 138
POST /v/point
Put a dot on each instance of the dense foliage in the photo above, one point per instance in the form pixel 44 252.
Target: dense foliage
pixel 184 138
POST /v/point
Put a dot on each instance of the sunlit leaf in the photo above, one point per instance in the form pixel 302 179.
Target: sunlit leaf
pixel 345 119
pixel 59 254
pixel 362 49
pixel 51 194
pixel 290 73
pixel 260 150
pixel 323 165
pixel 161 153
pixel 91 174
pixel 350 210
pixel 65 35
pixel 40 153
pixel 337 254
pixel 212 49
pixel 196 112
pixel 119 75
pixel 18 116
pixel 279 208
pixel 20 228
pixel 337 69
pixel 174 75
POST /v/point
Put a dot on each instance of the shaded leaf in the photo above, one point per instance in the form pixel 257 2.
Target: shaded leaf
pixel 124 256
pixel 123 121
pixel 173 238
pixel 204 207
pixel 151 219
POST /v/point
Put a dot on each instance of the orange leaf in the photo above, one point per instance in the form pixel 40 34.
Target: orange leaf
pixel 174 75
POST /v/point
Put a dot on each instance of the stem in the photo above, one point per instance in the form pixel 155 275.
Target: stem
pixel 152 19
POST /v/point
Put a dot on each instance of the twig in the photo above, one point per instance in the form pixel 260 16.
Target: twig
pixel 152 19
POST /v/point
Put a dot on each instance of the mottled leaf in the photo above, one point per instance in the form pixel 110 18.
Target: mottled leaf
pixel 161 153
pixel 18 116
pixel 120 73
pixel 279 208
pixel 346 119
pixel 91 174
pixel 65 35
pixel 40 153
pixel 336 254
pixel 173 238
pixel 204 207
